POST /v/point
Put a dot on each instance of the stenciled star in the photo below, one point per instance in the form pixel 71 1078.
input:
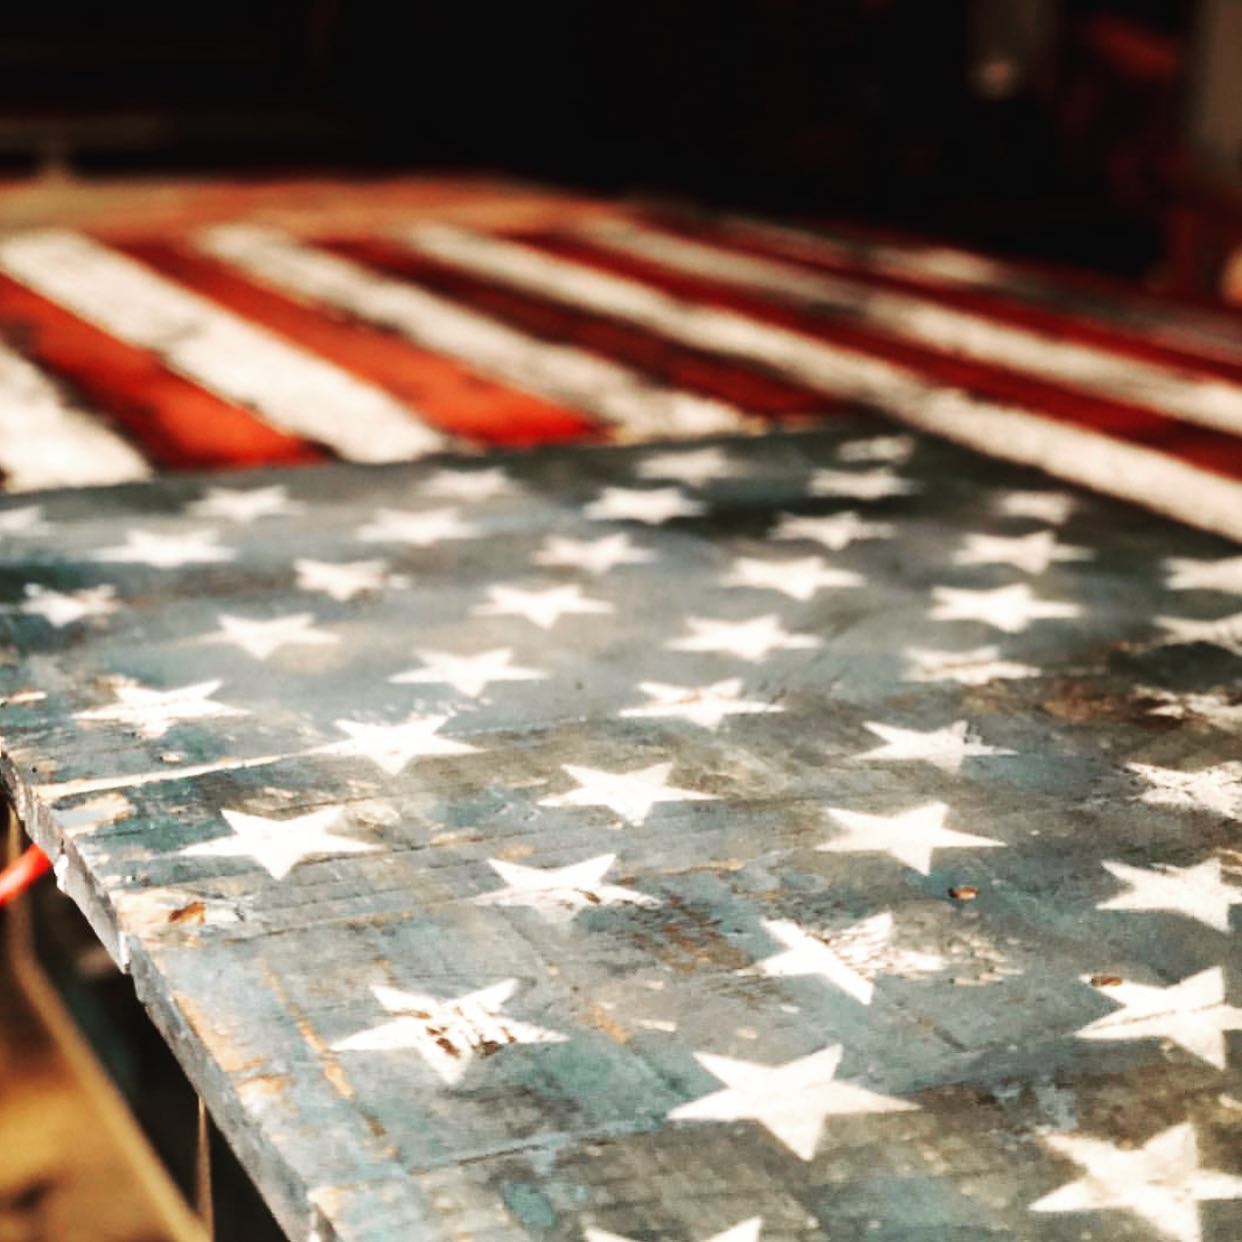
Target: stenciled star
pixel 246 504
pixel 1198 892
pixel 861 484
pixel 655 505
pixel 752 640
pixel 1223 575
pixel 262 637
pixel 342 580
pixel 806 954
pixel 1008 608
pixel 970 668
pixel 542 608
pixel 1030 553
pixel 791 1101
pixel 450 1035
pixel 891 449
pixel 1051 507
pixel 420 529
pixel 944 748
pixel 593 556
pixel 469 486
pixel 391 746
pixel 835 532
pixel 153 712
pixel 694 467
pixel 469 674
pixel 1217 789
pixel 28 520
pixel 1192 1014
pixel 743 1231
pixel 1161 1182
pixel 1226 632
pixel 278 845
pixel 61 608
pixel 631 795
pixel 910 836
pixel 1217 709
pixel 559 893
pixel 701 705
pixel 147 547
pixel 799 579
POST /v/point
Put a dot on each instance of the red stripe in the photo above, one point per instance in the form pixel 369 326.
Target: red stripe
pixel 444 393
pixel 1210 450
pixel 676 366
pixel 1043 277
pixel 174 422
pixel 1130 340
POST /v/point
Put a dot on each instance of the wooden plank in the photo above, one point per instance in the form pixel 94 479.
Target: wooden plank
pixel 775 868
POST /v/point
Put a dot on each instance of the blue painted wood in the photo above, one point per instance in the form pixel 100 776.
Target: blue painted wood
pixel 313 987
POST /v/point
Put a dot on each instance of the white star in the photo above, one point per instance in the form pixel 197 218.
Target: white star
pixel 1192 1014
pixel 237 504
pixel 559 893
pixel 799 579
pixel 261 638
pixel 750 640
pixel 1225 633
pixel 806 954
pixel 1190 575
pixel 61 608
pixel 154 712
pixel 1218 788
pixel 1224 713
pixel 146 547
pixel 860 484
pixel 943 748
pixel 628 794
pixel 743 1231
pixel 790 1101
pixel 701 705
pixel 595 556
pixel 654 505
pixel 469 674
pixel 971 668
pixel 278 845
pixel 893 449
pixel 1007 608
pixel 469 486
pixel 341 579
pixel 542 608
pixel 836 531
pixel 1051 507
pixel 1160 1182
pixel 1030 553
pixel 910 836
pixel 420 529
pixel 693 467
pixel 1197 892
pixel 392 746
pixel 28 520
pixel 448 1034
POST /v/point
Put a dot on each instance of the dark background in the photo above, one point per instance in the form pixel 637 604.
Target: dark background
pixel 1050 129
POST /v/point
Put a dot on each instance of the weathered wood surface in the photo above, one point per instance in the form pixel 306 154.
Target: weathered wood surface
pixel 410 1028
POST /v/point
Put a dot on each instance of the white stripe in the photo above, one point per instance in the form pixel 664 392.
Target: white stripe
pixel 1128 471
pixel 1101 462
pixel 290 388
pixel 1179 327
pixel 1166 390
pixel 559 372
pixel 47 442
